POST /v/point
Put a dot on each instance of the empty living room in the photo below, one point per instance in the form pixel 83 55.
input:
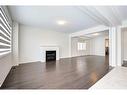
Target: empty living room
pixel 63 47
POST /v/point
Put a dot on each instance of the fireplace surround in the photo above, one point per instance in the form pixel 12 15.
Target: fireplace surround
pixel 49 49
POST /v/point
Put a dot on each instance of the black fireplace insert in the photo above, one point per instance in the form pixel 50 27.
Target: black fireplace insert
pixel 50 56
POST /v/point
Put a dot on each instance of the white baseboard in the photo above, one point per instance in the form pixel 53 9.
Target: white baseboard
pixel 29 62
pixel 65 57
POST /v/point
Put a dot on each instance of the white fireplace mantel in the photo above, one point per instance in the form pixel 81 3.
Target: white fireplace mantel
pixel 43 50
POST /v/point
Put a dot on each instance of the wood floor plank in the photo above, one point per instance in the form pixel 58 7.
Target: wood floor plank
pixel 67 73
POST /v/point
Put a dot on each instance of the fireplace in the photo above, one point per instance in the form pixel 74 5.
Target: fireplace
pixel 43 52
pixel 50 55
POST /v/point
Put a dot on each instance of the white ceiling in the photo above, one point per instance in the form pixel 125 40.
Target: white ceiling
pixel 77 17
pixel 46 17
pixel 122 12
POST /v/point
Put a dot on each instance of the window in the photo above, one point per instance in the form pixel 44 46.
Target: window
pixel 5 33
pixel 81 46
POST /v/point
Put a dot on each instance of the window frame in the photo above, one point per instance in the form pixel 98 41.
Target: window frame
pixel 81 46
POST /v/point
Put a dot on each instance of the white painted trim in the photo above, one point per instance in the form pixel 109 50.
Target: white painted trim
pixel 64 57
pixel 15 43
pixel 29 62
pixel 112 46
pixel 90 30
pixel 70 46
pixel 119 46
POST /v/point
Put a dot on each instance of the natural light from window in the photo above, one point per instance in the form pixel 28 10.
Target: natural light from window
pixel 81 46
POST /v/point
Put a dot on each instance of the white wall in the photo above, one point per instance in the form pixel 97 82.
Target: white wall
pixel 74 49
pixel 124 43
pixel 5 66
pixel 31 38
pixel 97 45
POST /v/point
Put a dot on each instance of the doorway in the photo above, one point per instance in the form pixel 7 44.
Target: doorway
pixel 106 46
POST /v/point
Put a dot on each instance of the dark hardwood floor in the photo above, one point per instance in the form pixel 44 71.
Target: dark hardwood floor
pixel 68 73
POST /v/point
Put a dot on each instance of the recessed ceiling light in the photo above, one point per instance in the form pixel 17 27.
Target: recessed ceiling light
pixel 61 22
pixel 95 34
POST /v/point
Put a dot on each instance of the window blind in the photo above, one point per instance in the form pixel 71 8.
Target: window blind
pixel 5 33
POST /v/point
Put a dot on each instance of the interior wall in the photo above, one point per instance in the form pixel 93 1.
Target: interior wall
pixel 124 44
pixel 31 38
pixel 5 66
pixel 97 45
pixel 74 48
